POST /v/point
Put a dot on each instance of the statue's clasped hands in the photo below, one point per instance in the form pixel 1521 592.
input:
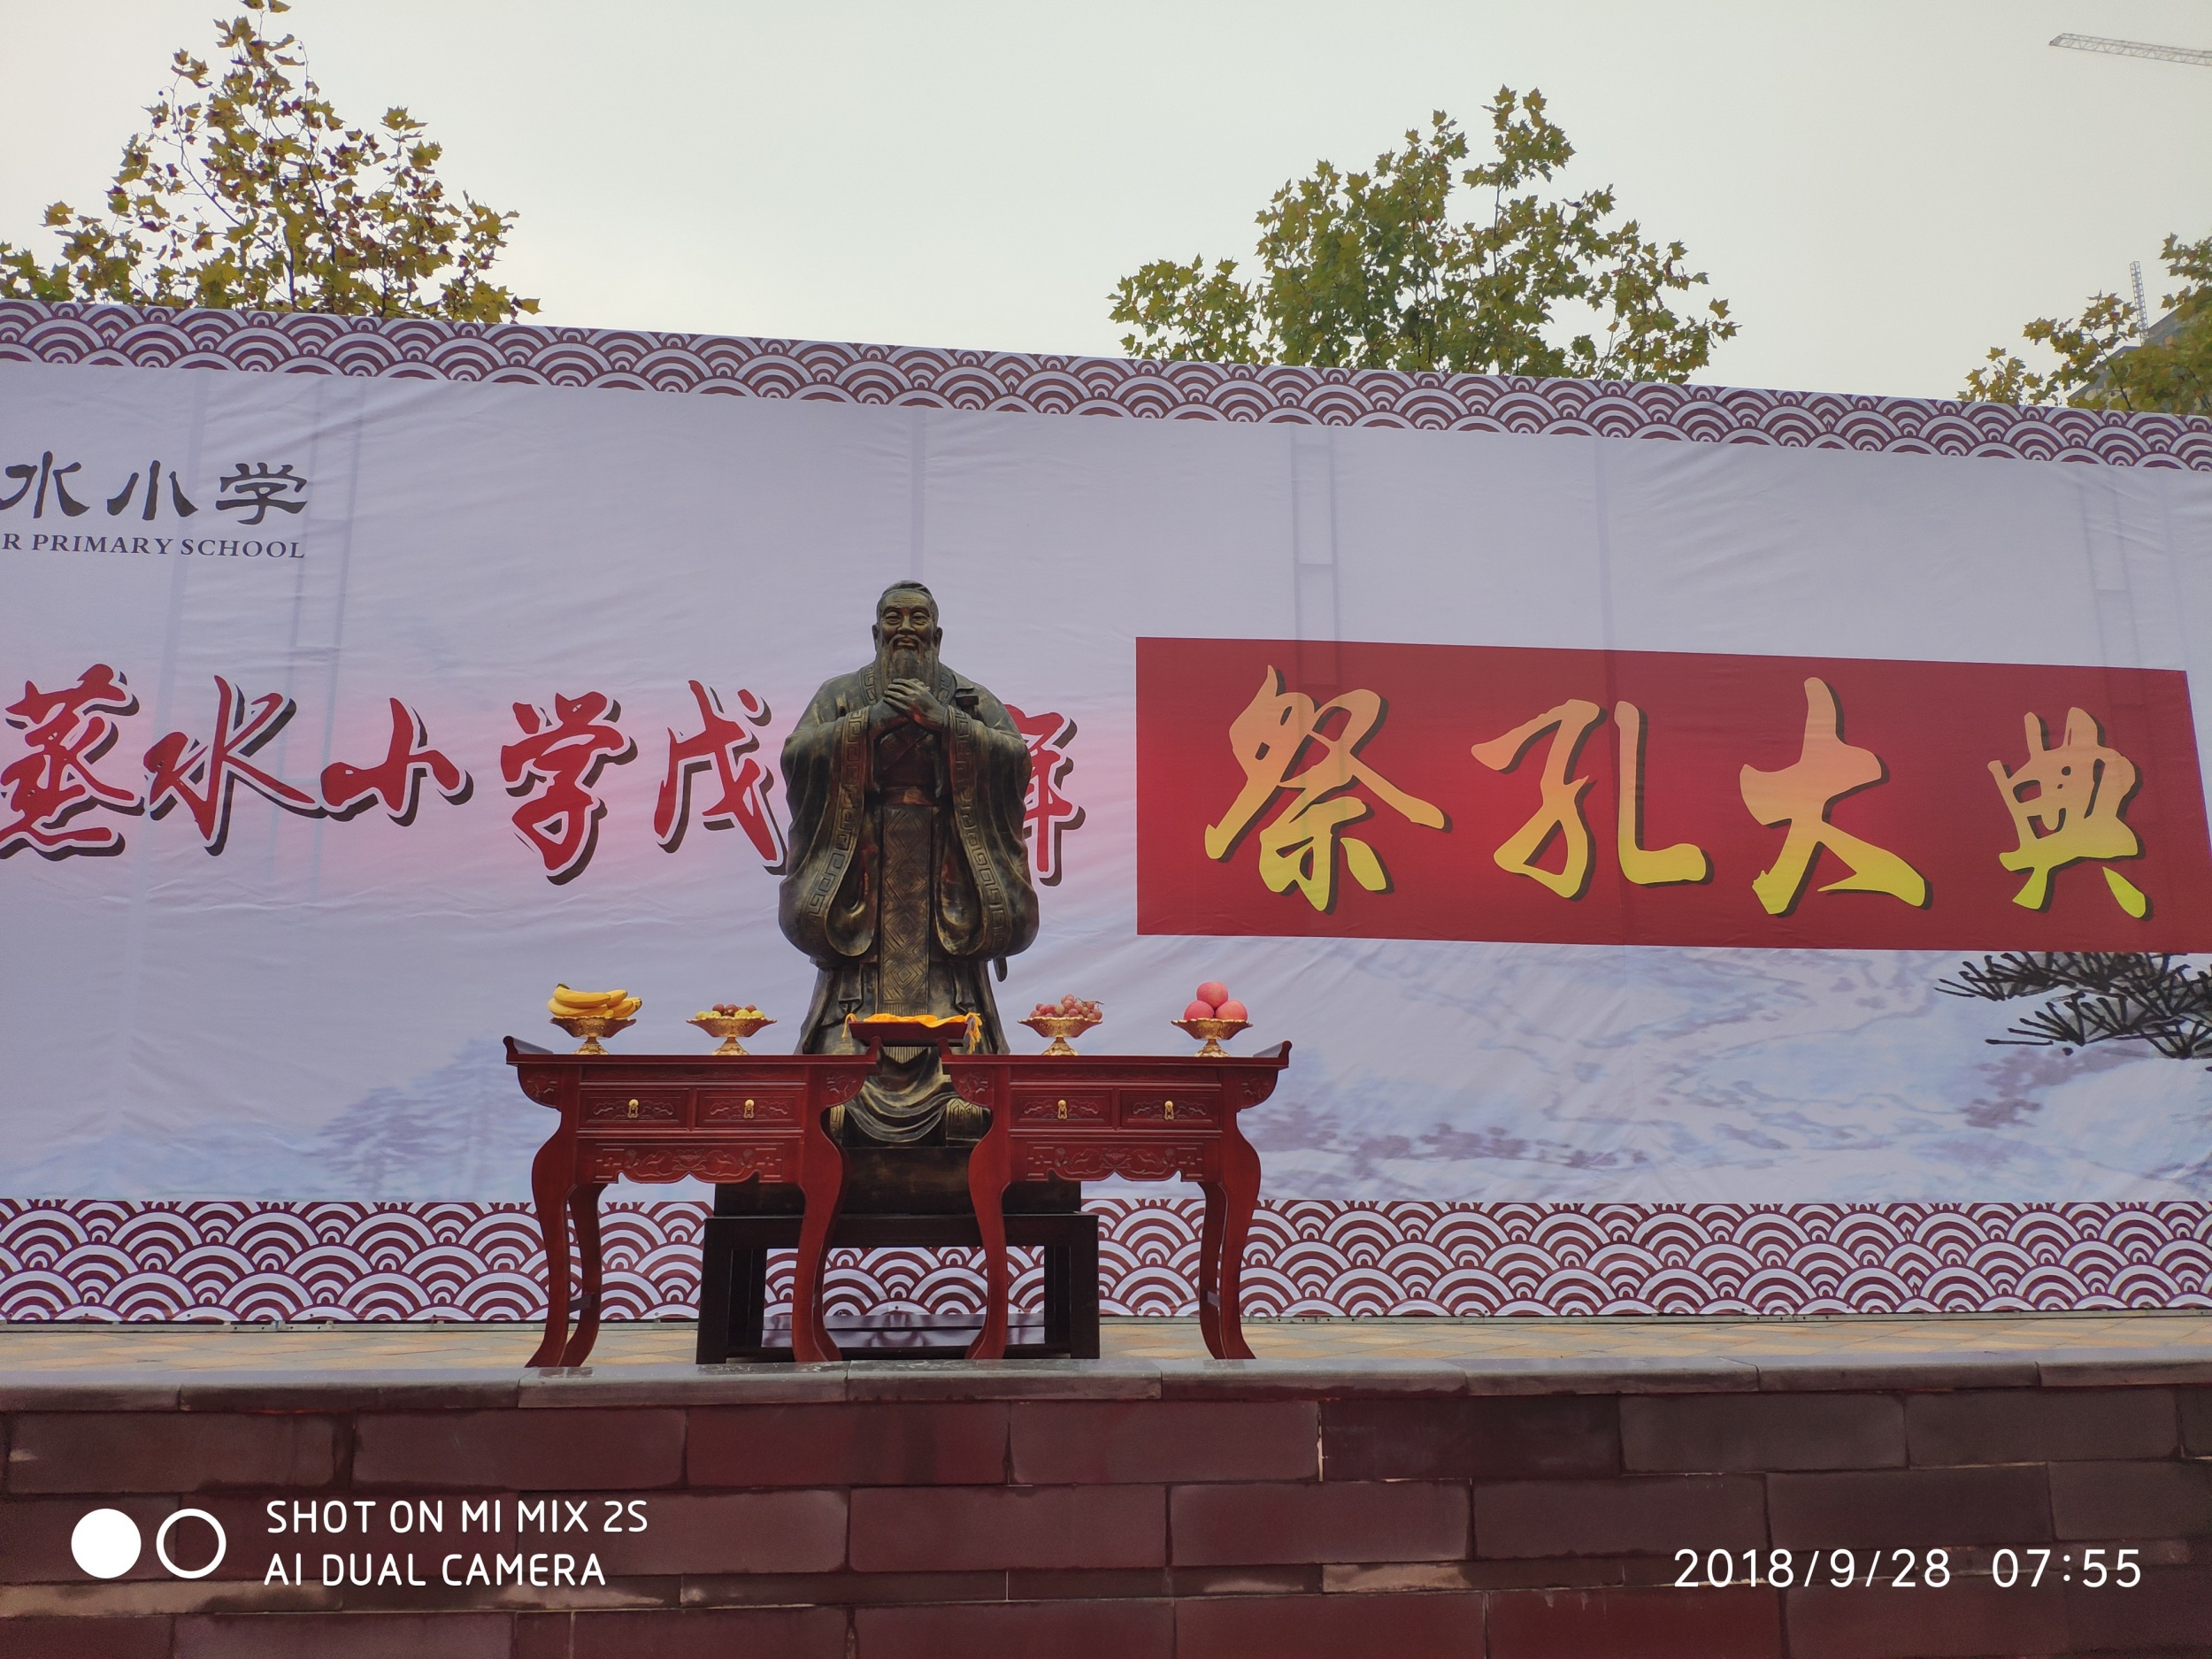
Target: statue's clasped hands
pixel 913 700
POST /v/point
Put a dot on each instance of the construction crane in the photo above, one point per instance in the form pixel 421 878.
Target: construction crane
pixel 2134 49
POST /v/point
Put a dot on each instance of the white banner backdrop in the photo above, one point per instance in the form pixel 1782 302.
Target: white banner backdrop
pixel 304 1000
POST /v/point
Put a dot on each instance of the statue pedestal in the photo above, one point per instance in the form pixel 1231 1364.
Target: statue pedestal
pixel 734 1274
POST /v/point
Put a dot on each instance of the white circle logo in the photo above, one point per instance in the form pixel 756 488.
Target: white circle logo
pixel 161 1544
pixel 106 1543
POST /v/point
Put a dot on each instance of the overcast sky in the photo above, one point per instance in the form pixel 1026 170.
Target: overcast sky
pixel 1881 191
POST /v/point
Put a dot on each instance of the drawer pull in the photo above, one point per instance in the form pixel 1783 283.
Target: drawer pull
pixel 632 1109
pixel 1063 1111
pixel 748 1109
pixel 1169 1111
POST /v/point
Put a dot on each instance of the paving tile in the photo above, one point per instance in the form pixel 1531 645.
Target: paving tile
pixel 345 1635
pixel 952 1529
pixel 531 1451
pixel 170 1452
pixel 85 1639
pixel 1909 1508
pixel 1922 1367
pixel 1646 1515
pixel 1647 1624
pixel 1009 1379
pixel 2117 1501
pixel 1328 1626
pixel 781 1632
pixel 2195 1409
pixel 1968 1621
pixel 2125 1367
pixel 1717 1433
pixel 2170 1612
pixel 1259 1522
pixel 684 1384
pixel 1106 1442
pixel 1117 1629
pixel 1305 1379
pixel 2041 1426
pixel 1656 1373
pixel 725 1532
pixel 889 1444
pixel 840 1589
pixel 1493 1438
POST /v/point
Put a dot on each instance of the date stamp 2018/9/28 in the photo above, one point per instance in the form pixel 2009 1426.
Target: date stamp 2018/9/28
pixel 2097 1567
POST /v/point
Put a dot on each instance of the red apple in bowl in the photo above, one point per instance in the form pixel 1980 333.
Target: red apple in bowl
pixel 1213 993
pixel 1232 1009
pixel 1199 1011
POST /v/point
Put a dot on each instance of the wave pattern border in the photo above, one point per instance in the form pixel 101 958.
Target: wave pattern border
pixel 933 378
pixel 248 1260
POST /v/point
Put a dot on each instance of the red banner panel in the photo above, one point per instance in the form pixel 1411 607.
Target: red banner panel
pixel 1665 798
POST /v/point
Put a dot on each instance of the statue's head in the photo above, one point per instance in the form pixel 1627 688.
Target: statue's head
pixel 906 631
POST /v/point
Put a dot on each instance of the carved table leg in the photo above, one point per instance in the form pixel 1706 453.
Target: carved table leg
pixel 552 1172
pixel 583 1204
pixel 1240 1182
pixel 989 1166
pixel 821 1183
pixel 1209 1267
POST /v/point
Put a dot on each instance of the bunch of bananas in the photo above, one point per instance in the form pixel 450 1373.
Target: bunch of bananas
pixel 567 1005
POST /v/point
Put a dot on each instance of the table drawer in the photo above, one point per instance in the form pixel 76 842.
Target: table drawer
pixel 778 1106
pixel 1063 1105
pixel 1162 1108
pixel 660 1106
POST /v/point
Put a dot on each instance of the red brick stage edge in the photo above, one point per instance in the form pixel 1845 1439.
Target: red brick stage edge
pixel 1493 1508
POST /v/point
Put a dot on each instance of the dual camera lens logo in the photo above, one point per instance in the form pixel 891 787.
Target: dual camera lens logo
pixel 107 1544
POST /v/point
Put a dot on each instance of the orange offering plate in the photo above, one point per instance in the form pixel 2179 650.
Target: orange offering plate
pixel 730 1028
pixel 1212 1030
pixel 1060 1027
pixel 916 1031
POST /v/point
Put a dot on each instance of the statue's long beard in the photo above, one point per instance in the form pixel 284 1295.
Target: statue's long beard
pixel 897 665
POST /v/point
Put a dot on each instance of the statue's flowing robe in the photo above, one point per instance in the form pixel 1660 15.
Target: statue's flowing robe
pixel 908 876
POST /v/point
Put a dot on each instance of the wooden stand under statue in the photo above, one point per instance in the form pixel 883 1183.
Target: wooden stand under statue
pixel 729 1118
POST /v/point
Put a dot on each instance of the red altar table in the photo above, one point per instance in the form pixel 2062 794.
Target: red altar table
pixel 662 1118
pixel 1144 1117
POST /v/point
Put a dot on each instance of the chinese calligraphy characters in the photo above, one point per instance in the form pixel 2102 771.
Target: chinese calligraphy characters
pixel 54 792
pixel 253 489
pixel 1560 814
pixel 2081 787
pixel 1299 846
pixel 1777 833
pixel 554 764
pixel 396 780
pixel 728 746
pixel 202 778
pixel 1801 794
pixel 66 731
pixel 1049 813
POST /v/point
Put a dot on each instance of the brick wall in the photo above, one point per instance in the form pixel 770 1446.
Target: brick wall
pixel 1127 1510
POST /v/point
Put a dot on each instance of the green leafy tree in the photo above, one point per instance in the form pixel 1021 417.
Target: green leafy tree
pixel 2104 362
pixel 1369 269
pixel 250 192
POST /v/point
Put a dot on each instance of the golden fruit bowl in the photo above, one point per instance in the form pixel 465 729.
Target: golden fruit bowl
pixel 591 1028
pixel 1212 1030
pixel 730 1028
pixel 1060 1027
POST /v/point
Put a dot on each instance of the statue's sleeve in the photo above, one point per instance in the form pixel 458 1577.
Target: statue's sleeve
pixel 825 781
pixel 990 792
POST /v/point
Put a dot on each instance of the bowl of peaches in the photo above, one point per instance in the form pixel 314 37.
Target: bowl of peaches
pixel 1213 1014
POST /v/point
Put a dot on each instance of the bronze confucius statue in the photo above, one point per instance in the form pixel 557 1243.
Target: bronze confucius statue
pixel 908 873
